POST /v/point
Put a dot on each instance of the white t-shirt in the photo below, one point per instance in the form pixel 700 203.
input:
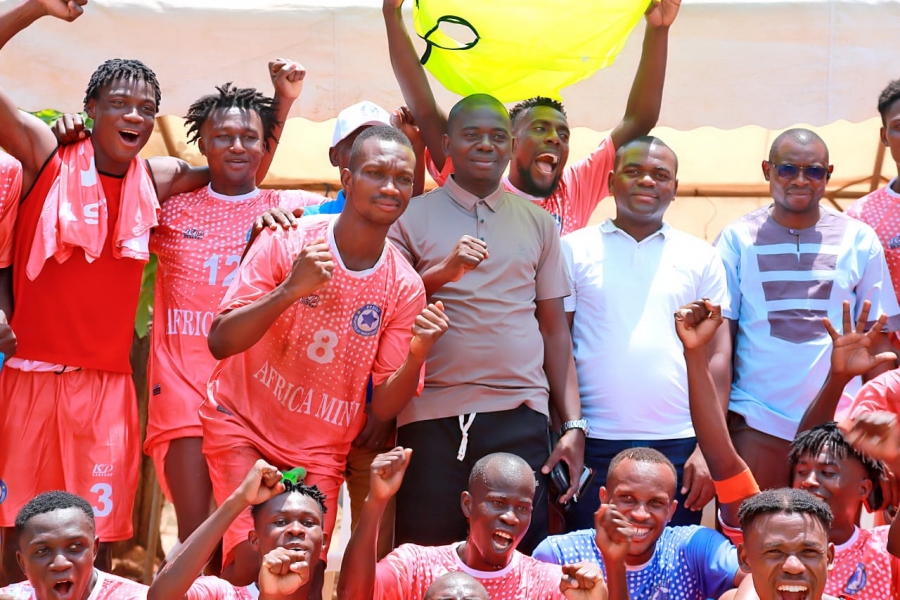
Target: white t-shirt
pixel 631 372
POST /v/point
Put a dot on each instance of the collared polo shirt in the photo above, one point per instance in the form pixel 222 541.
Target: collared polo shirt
pixel 491 358
pixel 632 376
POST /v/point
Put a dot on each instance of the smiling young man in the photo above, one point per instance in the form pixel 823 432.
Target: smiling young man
pixel 494 261
pixel 789 265
pixel 821 461
pixel 539 126
pixel 57 547
pixel 676 563
pixel 312 313
pixel 198 243
pixel 288 533
pixel 497 505
pixel 81 233
pixel 628 275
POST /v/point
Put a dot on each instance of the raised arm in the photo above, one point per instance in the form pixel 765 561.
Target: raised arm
pixel 358 568
pixel 645 99
pixel 287 78
pixel 414 84
pixel 696 324
pixel 23 135
pixel 851 355
pixel 235 331
pixel 389 398
pixel 261 483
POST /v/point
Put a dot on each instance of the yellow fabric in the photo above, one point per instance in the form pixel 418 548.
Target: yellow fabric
pixel 516 49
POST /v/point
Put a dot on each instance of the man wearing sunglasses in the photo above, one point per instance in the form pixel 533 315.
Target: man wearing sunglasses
pixel 788 265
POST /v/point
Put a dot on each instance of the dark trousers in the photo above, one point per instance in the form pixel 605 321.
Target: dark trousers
pixel 599 453
pixel 428 504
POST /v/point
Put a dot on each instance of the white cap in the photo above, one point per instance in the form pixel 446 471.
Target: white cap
pixel 353 117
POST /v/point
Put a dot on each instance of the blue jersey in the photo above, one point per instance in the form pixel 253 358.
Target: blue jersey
pixel 689 563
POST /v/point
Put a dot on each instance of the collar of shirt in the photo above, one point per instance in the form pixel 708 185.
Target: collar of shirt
pixel 514 190
pixel 468 200
pixel 609 226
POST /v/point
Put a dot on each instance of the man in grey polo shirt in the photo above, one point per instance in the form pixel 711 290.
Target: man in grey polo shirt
pixel 494 260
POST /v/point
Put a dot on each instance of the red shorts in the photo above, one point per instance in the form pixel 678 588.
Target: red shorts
pixel 77 431
pixel 227 469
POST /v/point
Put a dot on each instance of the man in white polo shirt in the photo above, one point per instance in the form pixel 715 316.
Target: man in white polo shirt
pixel 628 276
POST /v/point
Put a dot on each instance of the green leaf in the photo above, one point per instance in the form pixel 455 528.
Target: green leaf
pixel 144 315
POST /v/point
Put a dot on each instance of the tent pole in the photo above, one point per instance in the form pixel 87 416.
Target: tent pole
pixel 876 170
pixel 165 128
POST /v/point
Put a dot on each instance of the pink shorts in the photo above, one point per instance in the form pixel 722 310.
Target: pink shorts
pixel 227 469
pixel 77 431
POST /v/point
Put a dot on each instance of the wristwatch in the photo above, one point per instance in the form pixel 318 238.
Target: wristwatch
pixel 581 424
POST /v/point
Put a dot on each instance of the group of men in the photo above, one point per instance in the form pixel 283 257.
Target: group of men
pixel 525 368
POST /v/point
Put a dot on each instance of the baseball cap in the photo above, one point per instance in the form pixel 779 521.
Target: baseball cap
pixel 353 117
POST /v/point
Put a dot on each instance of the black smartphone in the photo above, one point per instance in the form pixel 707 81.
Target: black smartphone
pixel 559 477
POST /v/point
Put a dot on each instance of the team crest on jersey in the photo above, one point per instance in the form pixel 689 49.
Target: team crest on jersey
pixel 3 491
pixel 366 320
pixel 857 581
pixel 894 242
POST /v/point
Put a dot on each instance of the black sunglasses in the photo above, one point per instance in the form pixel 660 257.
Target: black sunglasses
pixel 789 171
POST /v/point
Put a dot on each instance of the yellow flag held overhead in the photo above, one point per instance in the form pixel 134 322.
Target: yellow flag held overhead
pixel 516 49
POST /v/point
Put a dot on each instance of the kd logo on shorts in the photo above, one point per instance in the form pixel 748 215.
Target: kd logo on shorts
pixel 366 320
pixel 101 470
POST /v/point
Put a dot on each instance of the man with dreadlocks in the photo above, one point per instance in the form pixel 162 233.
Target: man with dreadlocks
pixel 288 532
pixel 67 401
pixel 198 242
pixel 821 462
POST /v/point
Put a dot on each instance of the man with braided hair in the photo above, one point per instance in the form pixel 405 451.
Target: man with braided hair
pixel 79 246
pixel 198 242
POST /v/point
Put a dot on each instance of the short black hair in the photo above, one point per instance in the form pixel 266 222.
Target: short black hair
pixel 886 99
pixel 649 140
pixel 516 112
pixel 829 437
pixel 474 100
pixel 121 68
pixel 644 455
pixel 801 135
pixel 783 500
pixel 230 96
pixel 310 491
pixel 507 463
pixel 385 133
pixel 49 502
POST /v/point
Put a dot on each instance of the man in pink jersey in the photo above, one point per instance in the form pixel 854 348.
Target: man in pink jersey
pixel 288 533
pixel 311 314
pixel 497 506
pixel 539 125
pixel 198 243
pixel 77 269
pixel 881 208
pixel 57 547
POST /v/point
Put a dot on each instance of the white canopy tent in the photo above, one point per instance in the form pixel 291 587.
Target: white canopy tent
pixel 732 64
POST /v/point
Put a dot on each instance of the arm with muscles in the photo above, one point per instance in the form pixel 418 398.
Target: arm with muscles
pixel 358 568
pixel 466 255
pixel 696 325
pixel 645 99
pixel 878 435
pixel 612 534
pixel 414 85
pixel 287 78
pixel 559 366
pixel 390 397
pixel 851 355
pixel 22 135
pixel 261 483
pixel 237 330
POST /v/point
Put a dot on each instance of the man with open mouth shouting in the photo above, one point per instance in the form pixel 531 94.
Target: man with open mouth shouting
pixel 498 506
pixel 57 547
